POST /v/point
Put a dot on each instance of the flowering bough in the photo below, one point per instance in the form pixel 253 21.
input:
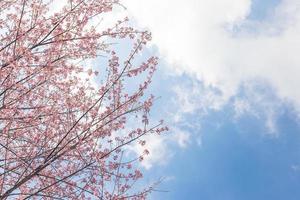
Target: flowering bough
pixel 60 136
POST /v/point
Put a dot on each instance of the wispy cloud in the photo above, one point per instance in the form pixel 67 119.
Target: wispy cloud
pixel 159 154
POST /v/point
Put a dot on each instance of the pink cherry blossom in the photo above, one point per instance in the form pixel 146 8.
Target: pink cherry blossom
pixel 62 136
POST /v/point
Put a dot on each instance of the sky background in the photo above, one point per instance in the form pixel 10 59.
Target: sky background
pixel 228 79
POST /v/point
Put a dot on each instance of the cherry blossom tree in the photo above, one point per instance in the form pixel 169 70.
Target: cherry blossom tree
pixel 64 125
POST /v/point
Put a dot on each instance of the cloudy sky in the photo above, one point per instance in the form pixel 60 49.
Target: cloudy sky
pixel 229 84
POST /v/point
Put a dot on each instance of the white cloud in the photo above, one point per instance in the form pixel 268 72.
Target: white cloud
pixel 158 151
pixel 213 41
pixel 197 37
pixel 259 101
pixel 268 114
pixel 194 96
pixel 159 147
pixel 182 138
pixel 255 98
pixel 241 106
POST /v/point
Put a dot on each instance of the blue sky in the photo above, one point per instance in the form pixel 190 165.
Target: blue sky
pixel 260 9
pixel 236 161
pixel 238 158
pixel 231 100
